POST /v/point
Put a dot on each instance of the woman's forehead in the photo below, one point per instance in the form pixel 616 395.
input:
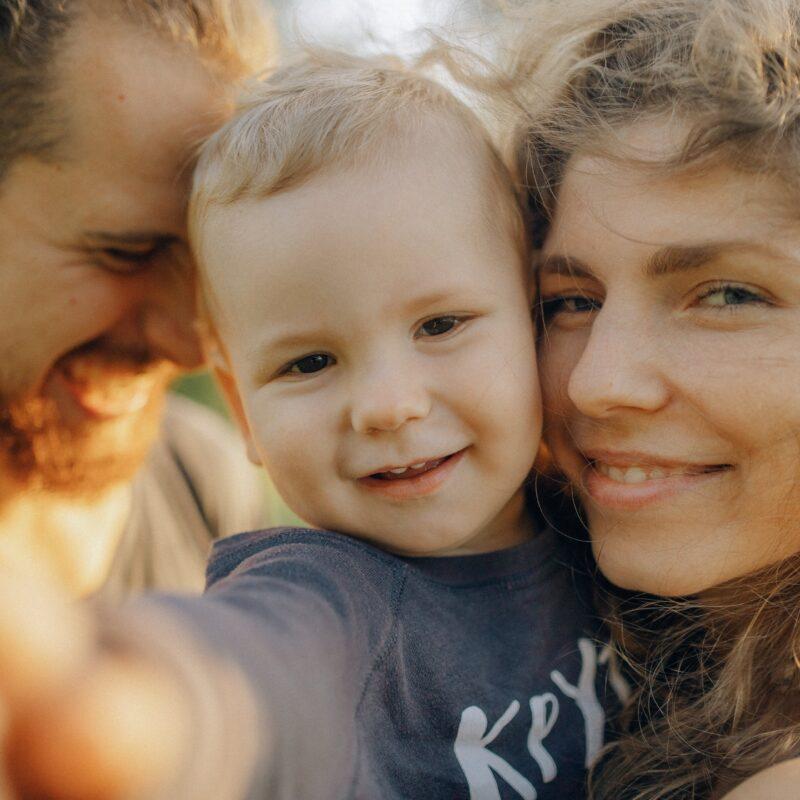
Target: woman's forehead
pixel 601 200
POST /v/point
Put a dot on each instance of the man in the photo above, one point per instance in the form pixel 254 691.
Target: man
pixel 103 102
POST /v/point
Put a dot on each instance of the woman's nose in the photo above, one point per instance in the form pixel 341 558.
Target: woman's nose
pixel 620 367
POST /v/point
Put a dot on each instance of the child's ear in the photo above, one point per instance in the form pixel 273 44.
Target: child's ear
pixel 220 367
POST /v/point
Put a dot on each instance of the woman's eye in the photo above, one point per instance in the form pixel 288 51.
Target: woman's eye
pixel 309 364
pixel 730 295
pixel 438 326
pixel 568 304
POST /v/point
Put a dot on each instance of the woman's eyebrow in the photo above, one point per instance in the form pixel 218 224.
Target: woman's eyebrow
pixel 672 259
pixel 556 264
pixel 667 260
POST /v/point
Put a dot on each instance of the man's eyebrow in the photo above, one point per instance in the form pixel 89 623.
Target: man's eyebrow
pixel 129 239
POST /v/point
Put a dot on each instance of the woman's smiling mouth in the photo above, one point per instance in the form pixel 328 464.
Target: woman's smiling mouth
pixel 630 483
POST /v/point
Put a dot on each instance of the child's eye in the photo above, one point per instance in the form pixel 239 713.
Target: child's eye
pixel 730 295
pixel 308 364
pixel 438 326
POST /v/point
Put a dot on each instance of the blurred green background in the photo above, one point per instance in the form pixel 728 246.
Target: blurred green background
pixel 200 386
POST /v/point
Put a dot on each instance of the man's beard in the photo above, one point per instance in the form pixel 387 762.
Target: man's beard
pixel 41 451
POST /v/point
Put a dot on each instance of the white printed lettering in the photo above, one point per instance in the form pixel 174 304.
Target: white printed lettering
pixel 585 697
pixel 478 763
pixel 541 724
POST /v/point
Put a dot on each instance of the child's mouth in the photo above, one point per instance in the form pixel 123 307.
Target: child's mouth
pixel 404 473
pixel 415 480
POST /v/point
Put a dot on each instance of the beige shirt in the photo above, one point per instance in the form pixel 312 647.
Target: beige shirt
pixel 196 486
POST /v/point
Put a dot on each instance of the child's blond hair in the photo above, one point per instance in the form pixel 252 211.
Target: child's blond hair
pixel 332 111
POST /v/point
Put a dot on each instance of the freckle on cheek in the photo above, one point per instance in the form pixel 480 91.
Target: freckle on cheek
pixel 73 301
pixel 121 98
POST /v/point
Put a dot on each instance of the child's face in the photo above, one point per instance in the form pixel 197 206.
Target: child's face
pixel 379 320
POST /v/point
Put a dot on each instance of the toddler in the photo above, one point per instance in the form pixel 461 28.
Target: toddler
pixel 365 280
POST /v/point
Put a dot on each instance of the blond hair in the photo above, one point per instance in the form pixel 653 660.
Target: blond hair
pixel 233 37
pixel 335 111
pixel 717 693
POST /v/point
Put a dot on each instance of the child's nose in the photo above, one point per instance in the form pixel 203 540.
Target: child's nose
pixel 387 403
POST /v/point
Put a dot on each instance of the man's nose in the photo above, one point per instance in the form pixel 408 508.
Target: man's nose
pixel 161 319
pixel 386 398
pixel 619 368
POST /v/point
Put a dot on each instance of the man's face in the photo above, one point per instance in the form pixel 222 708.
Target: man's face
pixel 96 305
pixel 379 327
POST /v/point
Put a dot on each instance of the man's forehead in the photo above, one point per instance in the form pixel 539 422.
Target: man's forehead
pixel 134 99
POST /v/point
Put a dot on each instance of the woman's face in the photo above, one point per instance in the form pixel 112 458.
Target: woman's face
pixel 671 369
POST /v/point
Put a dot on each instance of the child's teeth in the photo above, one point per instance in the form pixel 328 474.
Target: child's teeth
pixel 398 471
pixel 419 466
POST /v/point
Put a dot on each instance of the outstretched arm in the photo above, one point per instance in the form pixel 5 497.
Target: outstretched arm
pixel 80 721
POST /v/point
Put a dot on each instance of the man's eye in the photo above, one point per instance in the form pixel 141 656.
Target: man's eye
pixel 121 260
pixel 309 364
pixel 438 326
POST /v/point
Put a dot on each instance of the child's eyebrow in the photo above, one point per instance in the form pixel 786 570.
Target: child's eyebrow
pixel 289 340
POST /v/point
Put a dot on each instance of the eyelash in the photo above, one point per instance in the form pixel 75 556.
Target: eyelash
pixel 752 297
pixel 289 368
pixel 458 322
pixel 550 307
pixel 127 261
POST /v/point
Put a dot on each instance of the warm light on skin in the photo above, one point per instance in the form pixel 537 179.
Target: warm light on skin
pixel 353 265
pixel 672 338
pixel 96 296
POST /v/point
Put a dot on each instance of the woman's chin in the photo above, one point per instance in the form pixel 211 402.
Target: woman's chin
pixel 637 570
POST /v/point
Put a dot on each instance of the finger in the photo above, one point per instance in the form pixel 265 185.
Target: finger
pixel 45 639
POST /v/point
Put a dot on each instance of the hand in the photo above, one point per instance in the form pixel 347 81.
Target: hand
pixel 81 723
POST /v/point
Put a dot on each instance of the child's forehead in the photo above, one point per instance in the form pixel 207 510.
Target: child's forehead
pixel 349 244
pixel 383 195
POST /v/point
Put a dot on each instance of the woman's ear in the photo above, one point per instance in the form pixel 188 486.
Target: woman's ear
pixel 220 367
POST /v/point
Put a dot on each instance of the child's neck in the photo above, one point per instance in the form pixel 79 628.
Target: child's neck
pixel 515 524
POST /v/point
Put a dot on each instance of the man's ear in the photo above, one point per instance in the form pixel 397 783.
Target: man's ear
pixel 220 367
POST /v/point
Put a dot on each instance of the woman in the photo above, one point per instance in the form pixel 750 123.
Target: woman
pixel 661 150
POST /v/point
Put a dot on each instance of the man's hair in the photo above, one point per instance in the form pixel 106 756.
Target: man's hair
pixel 336 111
pixel 230 35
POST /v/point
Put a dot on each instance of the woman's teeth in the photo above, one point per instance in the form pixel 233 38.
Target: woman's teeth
pixel 639 474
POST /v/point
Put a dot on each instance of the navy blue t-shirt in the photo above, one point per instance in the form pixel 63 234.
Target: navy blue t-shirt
pixel 379 677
